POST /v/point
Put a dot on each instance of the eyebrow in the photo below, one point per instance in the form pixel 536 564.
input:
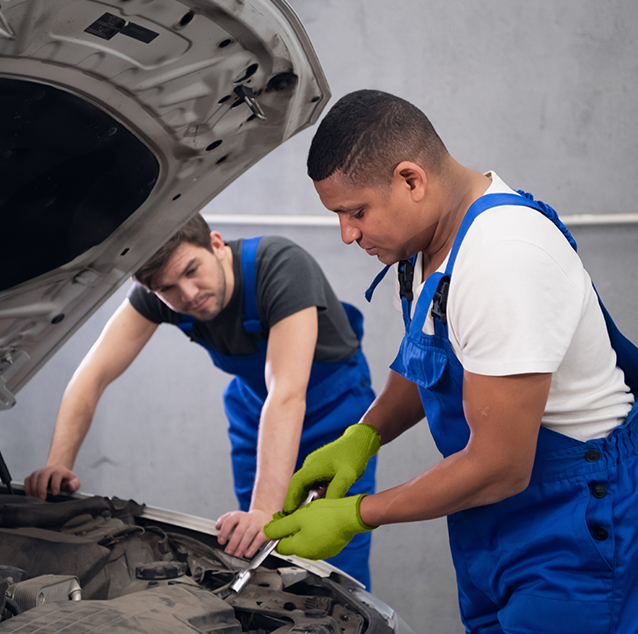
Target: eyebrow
pixel 184 270
pixel 349 210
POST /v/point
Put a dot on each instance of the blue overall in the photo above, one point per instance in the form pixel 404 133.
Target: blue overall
pixel 562 556
pixel 338 395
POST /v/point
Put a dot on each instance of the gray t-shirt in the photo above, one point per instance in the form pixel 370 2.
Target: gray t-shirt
pixel 288 279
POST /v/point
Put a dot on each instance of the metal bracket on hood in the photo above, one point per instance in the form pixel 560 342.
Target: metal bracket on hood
pixel 248 96
pixel 10 363
pixel 5 28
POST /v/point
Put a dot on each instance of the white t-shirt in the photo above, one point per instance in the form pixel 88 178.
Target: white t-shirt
pixel 520 301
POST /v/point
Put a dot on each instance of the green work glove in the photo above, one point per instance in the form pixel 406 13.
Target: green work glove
pixel 341 463
pixel 318 530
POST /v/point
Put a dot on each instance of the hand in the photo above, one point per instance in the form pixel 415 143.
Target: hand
pixel 243 532
pixel 341 462
pixel 55 478
pixel 318 530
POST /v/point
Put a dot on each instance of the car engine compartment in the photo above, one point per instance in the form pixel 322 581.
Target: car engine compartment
pixel 96 564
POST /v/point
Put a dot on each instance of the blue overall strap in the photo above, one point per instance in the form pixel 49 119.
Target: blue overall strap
pixel 428 292
pixel 485 202
pixel 626 351
pixel 551 214
pixel 186 324
pixel 406 276
pixel 252 323
pixel 488 201
pixel 375 282
pixel 438 283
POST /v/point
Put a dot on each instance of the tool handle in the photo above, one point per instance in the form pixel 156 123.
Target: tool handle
pixel 315 493
pixel 240 581
pixel 318 491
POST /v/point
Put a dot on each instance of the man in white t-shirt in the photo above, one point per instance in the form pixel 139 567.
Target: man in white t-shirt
pixel 526 387
pixel 544 281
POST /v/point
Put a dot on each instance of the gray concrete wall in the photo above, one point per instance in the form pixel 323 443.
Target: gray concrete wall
pixel 543 92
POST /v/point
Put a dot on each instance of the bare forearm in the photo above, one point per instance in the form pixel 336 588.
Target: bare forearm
pixel 74 420
pixel 397 408
pixel 458 482
pixel 279 436
pixel 504 415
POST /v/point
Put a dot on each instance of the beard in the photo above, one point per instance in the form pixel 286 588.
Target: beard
pixel 211 308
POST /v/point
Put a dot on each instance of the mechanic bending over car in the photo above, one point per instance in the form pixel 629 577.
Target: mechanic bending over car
pixel 527 386
pixel 266 313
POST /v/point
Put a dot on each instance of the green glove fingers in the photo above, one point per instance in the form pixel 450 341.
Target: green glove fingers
pixel 342 481
pixel 341 462
pixel 318 530
pixel 301 483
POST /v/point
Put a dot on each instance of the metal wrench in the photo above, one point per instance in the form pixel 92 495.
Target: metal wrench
pixel 244 576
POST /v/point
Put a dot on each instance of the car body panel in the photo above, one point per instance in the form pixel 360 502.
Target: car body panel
pixel 202 89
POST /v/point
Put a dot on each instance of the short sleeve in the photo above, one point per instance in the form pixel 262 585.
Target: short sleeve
pixel 515 303
pixel 288 280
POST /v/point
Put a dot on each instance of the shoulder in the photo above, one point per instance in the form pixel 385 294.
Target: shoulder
pixel 509 235
pixel 517 293
pixel 279 253
pixel 288 280
pixel 150 306
pixel 516 224
pixel 272 245
pixel 140 296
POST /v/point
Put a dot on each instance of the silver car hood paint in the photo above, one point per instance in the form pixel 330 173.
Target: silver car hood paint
pixel 203 525
pixel 199 90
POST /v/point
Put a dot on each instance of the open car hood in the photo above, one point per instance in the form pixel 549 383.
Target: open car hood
pixel 119 120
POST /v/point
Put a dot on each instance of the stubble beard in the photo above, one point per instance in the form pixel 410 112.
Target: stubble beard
pixel 218 306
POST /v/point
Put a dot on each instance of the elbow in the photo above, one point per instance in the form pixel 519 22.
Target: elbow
pixel 515 486
pixel 287 399
pixel 496 479
pixel 499 473
pixel 507 483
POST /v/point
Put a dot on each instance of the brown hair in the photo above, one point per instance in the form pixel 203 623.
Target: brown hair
pixel 196 231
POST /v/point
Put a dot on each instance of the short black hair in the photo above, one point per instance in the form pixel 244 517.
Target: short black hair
pixel 367 133
pixel 196 231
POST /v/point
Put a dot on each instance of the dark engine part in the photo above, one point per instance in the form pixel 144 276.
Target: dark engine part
pixel 79 545
pixel 163 610
pixel 137 575
pixel 31 593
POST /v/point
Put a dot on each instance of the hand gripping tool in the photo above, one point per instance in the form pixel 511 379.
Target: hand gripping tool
pixel 243 576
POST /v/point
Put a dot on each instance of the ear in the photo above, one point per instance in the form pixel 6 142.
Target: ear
pixel 217 242
pixel 412 177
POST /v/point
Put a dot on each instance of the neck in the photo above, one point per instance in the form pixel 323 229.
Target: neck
pixel 227 265
pixel 457 189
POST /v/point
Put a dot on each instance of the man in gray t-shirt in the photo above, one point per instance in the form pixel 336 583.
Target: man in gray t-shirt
pixel 266 314
pixel 288 279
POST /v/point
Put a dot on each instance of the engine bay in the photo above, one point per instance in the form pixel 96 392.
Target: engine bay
pixel 97 564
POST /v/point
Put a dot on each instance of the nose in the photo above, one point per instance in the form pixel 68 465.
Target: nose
pixel 188 291
pixel 349 233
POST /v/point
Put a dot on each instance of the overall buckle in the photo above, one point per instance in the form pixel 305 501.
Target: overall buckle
pixel 406 277
pixel 439 301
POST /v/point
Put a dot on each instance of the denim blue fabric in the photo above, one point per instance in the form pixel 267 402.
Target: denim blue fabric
pixel 338 395
pixel 562 556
